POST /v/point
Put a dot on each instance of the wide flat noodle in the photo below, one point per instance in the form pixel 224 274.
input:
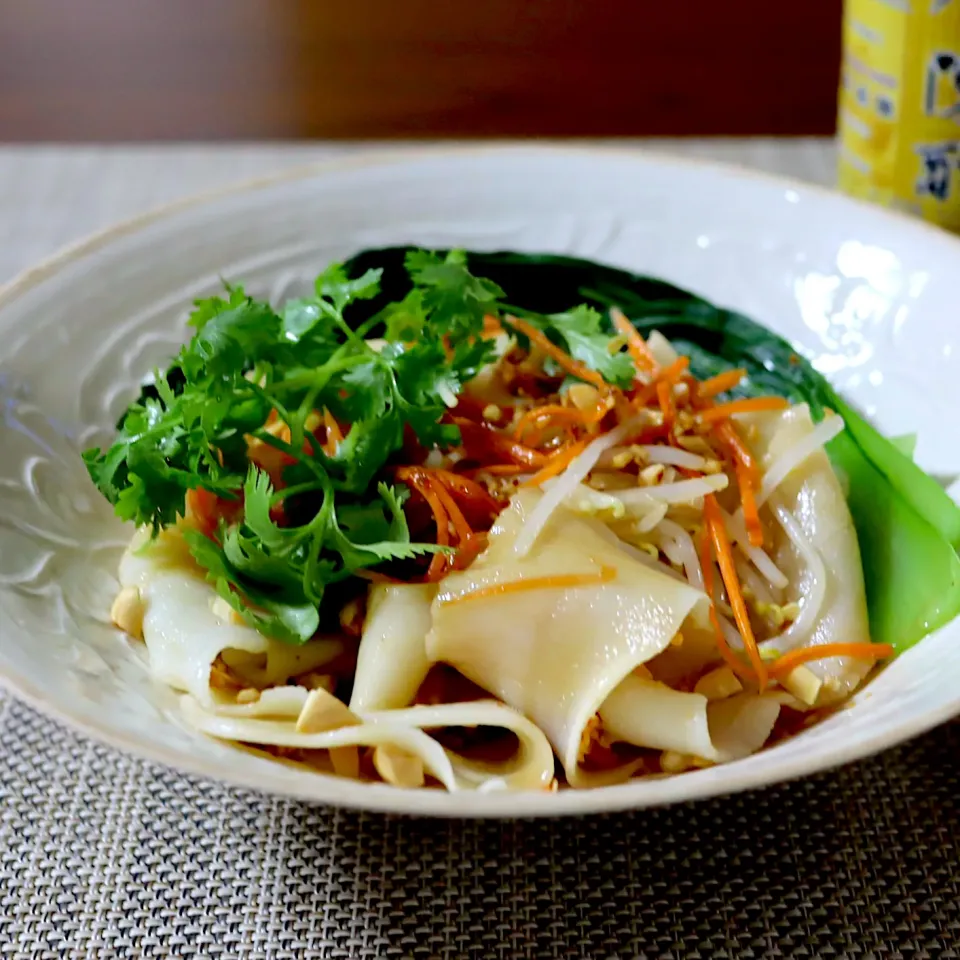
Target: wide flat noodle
pixel 184 636
pixel 650 714
pixel 392 661
pixel 813 495
pixel 529 768
pixel 556 653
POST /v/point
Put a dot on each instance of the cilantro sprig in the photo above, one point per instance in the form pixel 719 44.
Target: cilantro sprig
pixel 248 361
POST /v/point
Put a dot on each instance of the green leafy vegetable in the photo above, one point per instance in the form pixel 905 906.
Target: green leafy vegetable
pixel 907 525
pixel 194 426
pixel 333 515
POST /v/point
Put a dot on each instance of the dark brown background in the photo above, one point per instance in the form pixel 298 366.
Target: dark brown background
pixel 209 69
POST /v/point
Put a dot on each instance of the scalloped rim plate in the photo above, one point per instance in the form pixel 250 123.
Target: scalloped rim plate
pixel 865 293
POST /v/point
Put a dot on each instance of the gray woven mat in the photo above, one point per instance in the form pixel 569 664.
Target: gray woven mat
pixel 102 856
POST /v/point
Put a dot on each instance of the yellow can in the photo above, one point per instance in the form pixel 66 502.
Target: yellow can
pixel 899 112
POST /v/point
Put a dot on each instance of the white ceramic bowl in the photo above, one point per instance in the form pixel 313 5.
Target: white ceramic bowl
pixel 871 296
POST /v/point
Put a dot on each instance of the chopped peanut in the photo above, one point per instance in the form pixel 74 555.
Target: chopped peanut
pixel 649 476
pixel 672 761
pixel 583 396
pixel 248 695
pixel 398 767
pixel 492 412
pixel 718 684
pixel 803 683
pixel 590 734
pixel 127 612
pixel 322 711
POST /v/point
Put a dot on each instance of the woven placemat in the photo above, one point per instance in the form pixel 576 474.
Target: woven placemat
pixel 103 856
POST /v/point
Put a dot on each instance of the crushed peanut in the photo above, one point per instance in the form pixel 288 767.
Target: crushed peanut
pixel 248 695
pixel 583 396
pixel 398 767
pixel 589 736
pixel 685 420
pixel 677 640
pixel 649 476
pixel 718 684
pixel 492 412
pixel 322 711
pixel 804 684
pixel 127 612
pixel 671 761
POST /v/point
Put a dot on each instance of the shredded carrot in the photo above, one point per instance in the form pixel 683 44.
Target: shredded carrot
pixel 640 399
pixel 491 326
pixel 738 449
pixel 549 411
pixel 459 521
pixel 667 406
pixel 469 550
pixel 604 575
pixel 706 564
pixel 412 478
pixel 204 506
pixel 721 383
pixel 643 359
pixel 556 464
pixel 747 405
pixel 499 470
pixel 334 433
pixel 468 489
pixel 783 665
pixel 480 441
pixel 572 366
pixel 728 571
pixel 671 374
pixel 751 515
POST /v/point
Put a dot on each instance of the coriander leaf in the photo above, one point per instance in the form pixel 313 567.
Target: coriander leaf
pixel 581 333
pixel 257 495
pixel 394 498
pixel 231 340
pixel 298 317
pixel 334 285
pixel 455 300
pixel 206 309
pixel 405 320
pixel 292 622
pixel 365 449
pixel 368 387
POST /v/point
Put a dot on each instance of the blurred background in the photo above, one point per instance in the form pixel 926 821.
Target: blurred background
pixel 135 70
